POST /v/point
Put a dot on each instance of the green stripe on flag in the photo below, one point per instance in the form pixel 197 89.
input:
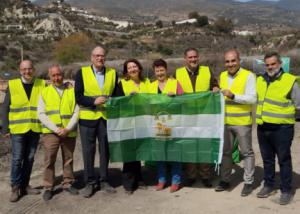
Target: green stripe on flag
pixel 151 149
pixel 188 104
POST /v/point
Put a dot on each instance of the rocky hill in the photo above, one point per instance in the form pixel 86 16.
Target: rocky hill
pixel 285 12
pixel 33 21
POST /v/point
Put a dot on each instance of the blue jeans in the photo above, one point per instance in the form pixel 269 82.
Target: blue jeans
pixel 23 150
pixel 175 172
pixel 276 140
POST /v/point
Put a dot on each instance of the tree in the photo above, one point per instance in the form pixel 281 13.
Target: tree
pixel 202 21
pixel 159 24
pixel 193 15
pixel 75 47
pixel 223 25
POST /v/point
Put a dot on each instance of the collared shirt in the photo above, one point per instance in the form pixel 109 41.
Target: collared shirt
pixel 294 95
pixel 193 77
pixel 249 96
pixel 99 76
pixel 43 117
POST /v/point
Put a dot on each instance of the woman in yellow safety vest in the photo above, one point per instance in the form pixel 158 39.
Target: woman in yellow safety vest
pixel 132 82
pixel 166 85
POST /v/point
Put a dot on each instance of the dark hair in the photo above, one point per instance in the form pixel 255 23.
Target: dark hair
pixel 190 49
pixel 135 61
pixel 271 54
pixel 159 62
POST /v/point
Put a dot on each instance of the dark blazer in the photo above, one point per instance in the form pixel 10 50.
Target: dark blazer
pixel 87 101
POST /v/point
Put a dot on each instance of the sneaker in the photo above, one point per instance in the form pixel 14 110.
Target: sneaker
pixel 106 187
pixel 222 186
pixel 48 194
pixel 190 182
pixel 247 189
pixel 142 185
pixel 88 191
pixel 174 188
pixel 207 183
pixel 72 190
pixel 15 194
pixel 160 186
pixel 285 198
pixel 30 191
pixel 265 192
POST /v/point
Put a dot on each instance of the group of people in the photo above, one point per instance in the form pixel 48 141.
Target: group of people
pixel 30 108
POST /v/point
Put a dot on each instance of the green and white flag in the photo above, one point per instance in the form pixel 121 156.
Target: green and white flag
pixel 156 127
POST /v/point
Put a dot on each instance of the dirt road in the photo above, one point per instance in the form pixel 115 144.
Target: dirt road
pixel 188 200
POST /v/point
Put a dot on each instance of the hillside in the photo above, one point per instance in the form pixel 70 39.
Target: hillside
pixel 256 12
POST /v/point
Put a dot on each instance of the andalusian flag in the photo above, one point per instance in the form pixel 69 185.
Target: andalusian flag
pixel 187 128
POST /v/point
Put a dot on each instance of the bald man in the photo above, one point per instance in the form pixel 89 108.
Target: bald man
pixel 238 87
pixel 93 85
pixel 21 125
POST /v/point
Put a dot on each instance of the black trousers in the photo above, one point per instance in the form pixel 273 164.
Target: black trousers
pixel 88 142
pixel 276 140
pixel 131 175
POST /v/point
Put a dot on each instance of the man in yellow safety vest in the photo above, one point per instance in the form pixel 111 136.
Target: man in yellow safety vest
pixel 238 87
pixel 58 112
pixel 278 97
pixel 21 124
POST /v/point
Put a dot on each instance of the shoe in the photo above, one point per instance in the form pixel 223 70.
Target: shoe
pixel 142 185
pixel 29 191
pixel 190 182
pixel 48 194
pixel 285 198
pixel 106 187
pixel 15 194
pixel 222 186
pixel 87 191
pixel 129 192
pixel 72 190
pixel 265 192
pixel 206 183
pixel 160 186
pixel 174 188
pixel 247 189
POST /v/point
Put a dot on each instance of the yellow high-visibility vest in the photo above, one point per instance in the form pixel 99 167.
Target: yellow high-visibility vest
pixel 202 81
pixel 273 105
pixel 59 109
pixel 236 113
pixel 23 111
pixel 170 87
pixel 92 89
pixel 129 86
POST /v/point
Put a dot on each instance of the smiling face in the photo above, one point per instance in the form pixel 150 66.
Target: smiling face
pixel 98 57
pixel 133 71
pixel 273 65
pixel 160 73
pixel 192 59
pixel 27 70
pixel 232 62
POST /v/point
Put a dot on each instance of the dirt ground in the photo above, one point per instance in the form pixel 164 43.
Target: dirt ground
pixel 188 200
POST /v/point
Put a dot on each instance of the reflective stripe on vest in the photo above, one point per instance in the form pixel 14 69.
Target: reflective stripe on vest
pixel 23 112
pixel 130 87
pixel 59 109
pixel 92 89
pixel 170 87
pixel 202 81
pixel 273 104
pixel 236 113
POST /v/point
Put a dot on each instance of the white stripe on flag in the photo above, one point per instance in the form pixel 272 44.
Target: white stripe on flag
pixel 182 126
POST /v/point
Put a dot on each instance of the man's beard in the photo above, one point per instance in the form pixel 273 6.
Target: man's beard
pixel 273 72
